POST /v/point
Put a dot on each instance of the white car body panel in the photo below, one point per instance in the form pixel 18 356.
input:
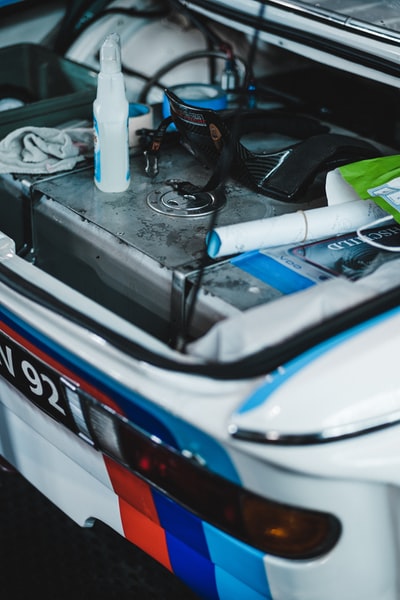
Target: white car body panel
pixel 292 403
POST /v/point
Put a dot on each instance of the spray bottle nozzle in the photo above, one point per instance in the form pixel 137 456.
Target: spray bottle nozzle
pixel 110 54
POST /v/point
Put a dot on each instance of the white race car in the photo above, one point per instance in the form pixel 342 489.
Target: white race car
pixel 231 406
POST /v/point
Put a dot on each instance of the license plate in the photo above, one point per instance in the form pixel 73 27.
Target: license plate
pixel 38 382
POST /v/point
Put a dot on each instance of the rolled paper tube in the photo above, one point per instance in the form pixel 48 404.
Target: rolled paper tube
pixel 298 227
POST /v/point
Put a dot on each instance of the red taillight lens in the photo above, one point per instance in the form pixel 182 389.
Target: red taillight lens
pixel 270 526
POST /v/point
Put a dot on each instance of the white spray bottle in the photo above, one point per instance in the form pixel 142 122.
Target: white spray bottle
pixel 110 121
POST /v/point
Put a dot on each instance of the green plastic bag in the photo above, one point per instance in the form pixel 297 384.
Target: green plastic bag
pixel 376 179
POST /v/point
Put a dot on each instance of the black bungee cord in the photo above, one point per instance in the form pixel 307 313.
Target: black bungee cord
pixel 221 174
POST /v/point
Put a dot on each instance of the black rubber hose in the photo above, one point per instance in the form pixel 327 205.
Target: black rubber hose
pixel 169 66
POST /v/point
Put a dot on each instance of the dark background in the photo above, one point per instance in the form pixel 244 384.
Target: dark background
pixel 43 554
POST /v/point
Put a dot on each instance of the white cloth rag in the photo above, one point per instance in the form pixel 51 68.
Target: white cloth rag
pixel 44 149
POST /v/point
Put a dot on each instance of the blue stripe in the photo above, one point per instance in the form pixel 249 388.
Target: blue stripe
pixel 183 523
pixel 194 569
pixel 9 2
pixel 271 272
pixel 212 563
pixel 187 546
pixel 230 588
pixel 297 364
pixel 237 563
pixel 138 409
pixel 132 404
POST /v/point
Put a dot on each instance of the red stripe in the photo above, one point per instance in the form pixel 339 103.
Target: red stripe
pixel 93 391
pixel 139 516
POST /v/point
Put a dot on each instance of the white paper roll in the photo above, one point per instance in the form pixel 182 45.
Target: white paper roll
pixel 297 227
pixel 337 190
